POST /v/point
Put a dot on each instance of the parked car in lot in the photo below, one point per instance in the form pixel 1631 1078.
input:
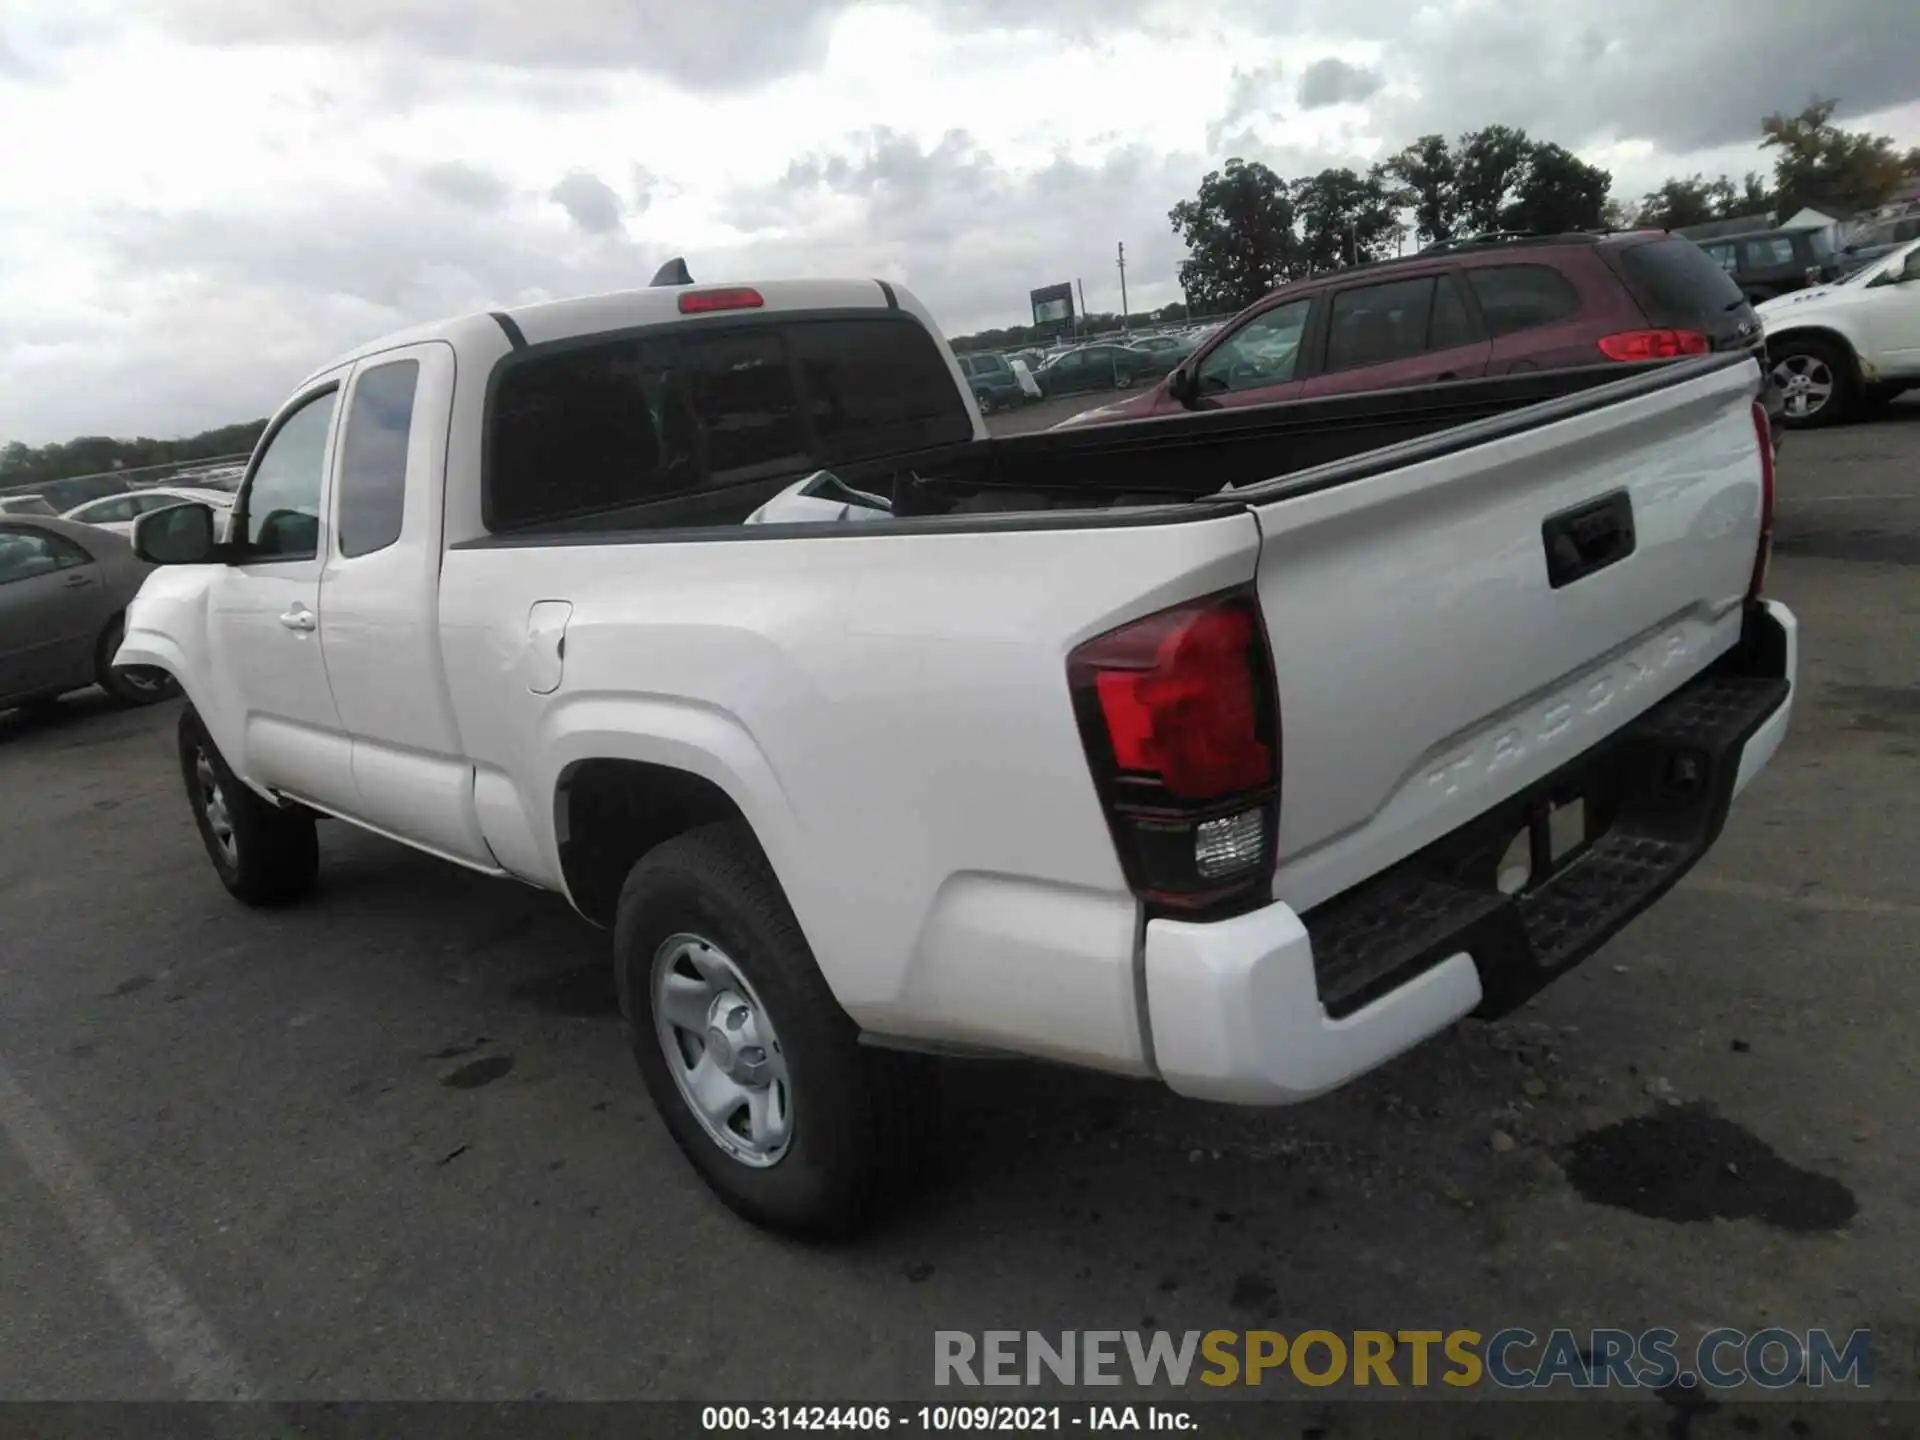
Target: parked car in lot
pixel 999 768
pixel 1093 367
pixel 996 385
pixel 1768 263
pixel 118 512
pixel 64 590
pixel 1457 313
pixel 1161 353
pixel 1880 238
pixel 1844 348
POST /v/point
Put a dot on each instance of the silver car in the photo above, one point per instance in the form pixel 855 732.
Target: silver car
pixel 64 589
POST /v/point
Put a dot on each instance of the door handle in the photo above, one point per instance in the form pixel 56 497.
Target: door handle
pixel 1445 375
pixel 298 618
pixel 75 581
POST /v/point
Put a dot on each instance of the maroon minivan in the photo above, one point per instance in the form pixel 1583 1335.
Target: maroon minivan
pixel 1490 306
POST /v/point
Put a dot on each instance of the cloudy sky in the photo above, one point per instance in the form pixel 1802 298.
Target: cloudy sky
pixel 201 200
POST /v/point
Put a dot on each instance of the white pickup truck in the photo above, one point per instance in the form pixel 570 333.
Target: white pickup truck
pixel 1242 750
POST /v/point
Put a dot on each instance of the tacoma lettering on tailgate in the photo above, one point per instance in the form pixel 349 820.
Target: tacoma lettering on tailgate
pixel 1579 706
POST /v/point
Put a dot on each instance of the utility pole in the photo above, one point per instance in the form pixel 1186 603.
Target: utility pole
pixel 1081 287
pixel 1122 263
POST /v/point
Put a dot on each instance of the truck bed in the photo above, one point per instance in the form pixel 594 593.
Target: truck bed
pixel 1172 461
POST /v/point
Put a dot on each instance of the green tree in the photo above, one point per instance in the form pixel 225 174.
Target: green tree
pixel 1239 235
pixel 1557 192
pixel 1752 198
pixel 1344 218
pixel 1428 177
pixel 1678 202
pixel 1492 162
pixel 1694 200
pixel 1820 165
pixel 94 454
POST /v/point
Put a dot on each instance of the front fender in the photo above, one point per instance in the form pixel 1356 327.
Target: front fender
pixel 166 627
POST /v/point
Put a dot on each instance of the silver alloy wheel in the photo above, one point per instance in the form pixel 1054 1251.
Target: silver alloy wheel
pixel 1806 385
pixel 213 800
pixel 721 1050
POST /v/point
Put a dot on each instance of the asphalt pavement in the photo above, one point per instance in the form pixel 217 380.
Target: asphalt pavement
pixel 390 1143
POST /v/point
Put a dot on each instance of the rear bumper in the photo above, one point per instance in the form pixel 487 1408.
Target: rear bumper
pixel 1274 1007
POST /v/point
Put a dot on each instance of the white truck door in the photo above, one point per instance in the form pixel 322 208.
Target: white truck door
pixel 380 599
pixel 264 617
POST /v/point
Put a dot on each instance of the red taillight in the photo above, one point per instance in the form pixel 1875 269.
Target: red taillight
pixel 704 302
pixel 1654 344
pixel 1763 431
pixel 1178 715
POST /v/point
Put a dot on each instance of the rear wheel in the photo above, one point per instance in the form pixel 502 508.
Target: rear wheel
pixel 263 854
pixel 757 1072
pixel 1815 380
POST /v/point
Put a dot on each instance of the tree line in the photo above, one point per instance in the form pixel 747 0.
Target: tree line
pixel 1248 230
pixel 22 464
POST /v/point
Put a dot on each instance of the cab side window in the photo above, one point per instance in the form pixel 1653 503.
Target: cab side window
pixel 372 484
pixel 283 498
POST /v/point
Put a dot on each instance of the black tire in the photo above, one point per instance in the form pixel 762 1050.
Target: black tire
pixel 274 854
pixel 141 686
pixel 858 1116
pixel 1826 363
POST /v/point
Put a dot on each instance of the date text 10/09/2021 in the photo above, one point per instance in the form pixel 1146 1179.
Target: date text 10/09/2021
pixel 939 1419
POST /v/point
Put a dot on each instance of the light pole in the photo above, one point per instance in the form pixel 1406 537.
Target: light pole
pixel 1122 263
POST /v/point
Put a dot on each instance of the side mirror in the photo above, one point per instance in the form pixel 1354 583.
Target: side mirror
pixel 1910 270
pixel 1182 385
pixel 184 534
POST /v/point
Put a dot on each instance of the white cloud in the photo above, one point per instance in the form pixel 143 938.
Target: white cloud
pixel 224 192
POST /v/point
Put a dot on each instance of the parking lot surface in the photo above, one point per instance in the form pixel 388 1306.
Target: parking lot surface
pixel 390 1143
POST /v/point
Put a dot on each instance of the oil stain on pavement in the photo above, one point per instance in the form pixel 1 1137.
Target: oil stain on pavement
pixel 1687 1163
pixel 476 1073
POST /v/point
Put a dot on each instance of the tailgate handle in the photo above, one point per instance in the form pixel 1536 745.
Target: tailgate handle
pixel 1587 538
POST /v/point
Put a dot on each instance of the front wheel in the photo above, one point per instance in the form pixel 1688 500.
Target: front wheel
pixel 1815 380
pixel 263 854
pixel 134 685
pixel 756 1070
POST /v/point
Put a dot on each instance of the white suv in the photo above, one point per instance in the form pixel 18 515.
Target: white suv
pixel 1838 349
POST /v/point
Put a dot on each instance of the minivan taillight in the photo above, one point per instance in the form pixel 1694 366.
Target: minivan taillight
pixel 1763 432
pixel 1654 344
pixel 1180 721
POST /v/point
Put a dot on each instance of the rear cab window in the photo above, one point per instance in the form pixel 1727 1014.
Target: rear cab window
pixel 1677 284
pixel 700 425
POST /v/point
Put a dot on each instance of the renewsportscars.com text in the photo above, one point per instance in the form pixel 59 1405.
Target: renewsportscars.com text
pixel 1513 1358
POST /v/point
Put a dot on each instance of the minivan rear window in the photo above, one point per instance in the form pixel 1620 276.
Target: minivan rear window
pixel 1677 283
pixel 697 424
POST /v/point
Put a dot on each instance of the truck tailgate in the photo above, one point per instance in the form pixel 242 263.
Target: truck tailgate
pixel 1454 620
